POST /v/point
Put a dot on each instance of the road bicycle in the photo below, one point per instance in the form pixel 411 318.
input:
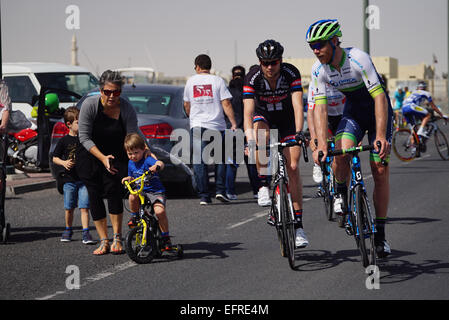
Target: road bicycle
pixel 4 227
pixel 408 145
pixel 281 205
pixel 359 221
pixel 144 241
pixel 327 186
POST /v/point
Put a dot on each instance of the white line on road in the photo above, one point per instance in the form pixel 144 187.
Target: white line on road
pixel 254 217
pixel 94 278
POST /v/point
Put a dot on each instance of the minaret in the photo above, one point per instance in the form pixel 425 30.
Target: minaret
pixel 74 52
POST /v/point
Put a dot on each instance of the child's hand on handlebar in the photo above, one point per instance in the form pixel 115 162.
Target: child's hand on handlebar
pixel 126 179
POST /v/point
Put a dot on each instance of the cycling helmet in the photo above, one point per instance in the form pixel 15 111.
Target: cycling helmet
pixel 422 86
pixel 269 50
pixel 323 30
pixel 51 102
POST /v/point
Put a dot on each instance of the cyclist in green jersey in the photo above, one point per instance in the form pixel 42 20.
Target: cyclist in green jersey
pixel 367 108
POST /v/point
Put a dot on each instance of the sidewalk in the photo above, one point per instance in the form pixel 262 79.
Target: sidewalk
pixel 19 183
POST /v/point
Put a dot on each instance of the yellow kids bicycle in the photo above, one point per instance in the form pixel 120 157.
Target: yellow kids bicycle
pixel 143 242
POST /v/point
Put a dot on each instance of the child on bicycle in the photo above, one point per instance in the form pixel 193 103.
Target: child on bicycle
pixel 154 190
pixel 75 192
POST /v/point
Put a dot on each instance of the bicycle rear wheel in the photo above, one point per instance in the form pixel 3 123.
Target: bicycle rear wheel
pixel 288 224
pixel 140 244
pixel 365 228
pixel 441 144
pixel 403 142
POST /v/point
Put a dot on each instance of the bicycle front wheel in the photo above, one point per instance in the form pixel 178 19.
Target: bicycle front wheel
pixel 140 244
pixel 288 224
pixel 275 212
pixel 365 228
pixel 441 144
pixel 328 195
pixel 403 143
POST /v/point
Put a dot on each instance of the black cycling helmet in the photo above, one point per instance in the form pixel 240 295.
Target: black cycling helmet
pixel 269 50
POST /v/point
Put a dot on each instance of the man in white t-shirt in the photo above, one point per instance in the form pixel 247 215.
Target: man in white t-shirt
pixel 206 97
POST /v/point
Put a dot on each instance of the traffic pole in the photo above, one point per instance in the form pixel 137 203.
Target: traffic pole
pixel 365 27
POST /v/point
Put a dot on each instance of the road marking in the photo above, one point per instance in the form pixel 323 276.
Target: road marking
pixel 255 216
pixel 94 278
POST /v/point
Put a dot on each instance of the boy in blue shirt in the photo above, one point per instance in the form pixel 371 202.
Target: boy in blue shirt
pixel 155 191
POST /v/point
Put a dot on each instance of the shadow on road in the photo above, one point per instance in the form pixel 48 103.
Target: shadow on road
pixel 411 220
pixel 394 270
pixel 209 250
pixel 313 260
pixel 30 234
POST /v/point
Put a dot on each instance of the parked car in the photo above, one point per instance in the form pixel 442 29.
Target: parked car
pixel 159 111
pixel 25 80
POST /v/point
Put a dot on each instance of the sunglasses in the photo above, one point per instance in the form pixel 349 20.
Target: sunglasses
pixel 270 63
pixel 114 93
pixel 318 45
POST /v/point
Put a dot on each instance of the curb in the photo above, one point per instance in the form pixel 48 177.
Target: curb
pixel 15 190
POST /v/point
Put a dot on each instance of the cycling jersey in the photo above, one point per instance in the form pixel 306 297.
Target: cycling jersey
pixel 335 100
pixel 274 106
pixel 335 104
pixel 359 81
pixel 418 97
pixel 412 109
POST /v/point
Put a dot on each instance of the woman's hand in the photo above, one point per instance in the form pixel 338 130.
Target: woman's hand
pixel 107 162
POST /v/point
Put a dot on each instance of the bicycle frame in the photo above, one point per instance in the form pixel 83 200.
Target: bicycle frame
pixel 142 198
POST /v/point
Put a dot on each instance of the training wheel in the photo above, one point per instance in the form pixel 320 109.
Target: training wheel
pixel 179 251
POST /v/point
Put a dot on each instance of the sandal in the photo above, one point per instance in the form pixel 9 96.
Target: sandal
pixel 117 245
pixel 103 248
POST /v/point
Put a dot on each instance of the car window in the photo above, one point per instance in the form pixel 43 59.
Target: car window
pixel 154 103
pixel 20 88
pixel 79 83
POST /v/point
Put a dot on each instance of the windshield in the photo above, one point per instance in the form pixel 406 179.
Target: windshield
pixel 149 103
pixel 79 83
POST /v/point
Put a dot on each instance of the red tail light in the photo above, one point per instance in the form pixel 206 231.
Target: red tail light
pixel 157 131
pixel 59 130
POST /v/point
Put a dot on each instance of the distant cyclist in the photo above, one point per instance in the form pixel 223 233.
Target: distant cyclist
pixel 272 96
pixel 367 108
pixel 335 102
pixel 412 108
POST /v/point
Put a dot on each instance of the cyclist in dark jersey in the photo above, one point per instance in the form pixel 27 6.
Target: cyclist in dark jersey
pixel 272 97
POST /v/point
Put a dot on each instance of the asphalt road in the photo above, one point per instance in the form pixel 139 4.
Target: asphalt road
pixel 232 254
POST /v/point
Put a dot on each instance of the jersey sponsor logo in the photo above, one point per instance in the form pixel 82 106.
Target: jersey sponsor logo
pixel 296 83
pixel 247 89
pixel 272 99
pixel 204 90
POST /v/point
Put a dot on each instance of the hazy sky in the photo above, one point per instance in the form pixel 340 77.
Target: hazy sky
pixel 168 34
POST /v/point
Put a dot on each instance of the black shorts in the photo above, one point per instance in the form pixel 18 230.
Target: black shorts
pixel 333 122
pixel 284 123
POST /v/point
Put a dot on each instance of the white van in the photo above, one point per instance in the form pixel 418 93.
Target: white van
pixel 25 79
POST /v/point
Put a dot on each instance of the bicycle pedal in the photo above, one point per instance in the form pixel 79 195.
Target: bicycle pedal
pixel 349 230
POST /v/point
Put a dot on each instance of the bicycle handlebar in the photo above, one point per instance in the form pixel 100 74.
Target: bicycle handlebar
pixel 353 150
pixel 142 182
pixel 291 144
